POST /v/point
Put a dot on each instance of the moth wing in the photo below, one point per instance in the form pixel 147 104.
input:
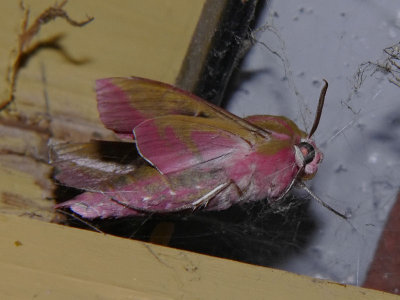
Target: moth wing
pixel 89 166
pixel 175 143
pixel 117 187
pixel 153 193
pixel 125 102
pixel 277 124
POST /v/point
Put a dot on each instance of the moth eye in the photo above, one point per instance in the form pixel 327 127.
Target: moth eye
pixel 308 152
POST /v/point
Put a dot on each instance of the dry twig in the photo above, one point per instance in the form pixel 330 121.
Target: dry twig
pixel 25 49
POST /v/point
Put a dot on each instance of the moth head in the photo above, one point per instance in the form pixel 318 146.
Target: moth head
pixel 308 157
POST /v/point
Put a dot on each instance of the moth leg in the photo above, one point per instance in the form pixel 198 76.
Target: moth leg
pixel 240 191
pixel 203 201
pixel 290 186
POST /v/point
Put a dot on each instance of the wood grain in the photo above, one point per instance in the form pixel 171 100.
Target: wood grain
pixel 48 261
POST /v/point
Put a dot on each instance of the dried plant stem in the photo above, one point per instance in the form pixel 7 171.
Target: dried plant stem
pixel 24 47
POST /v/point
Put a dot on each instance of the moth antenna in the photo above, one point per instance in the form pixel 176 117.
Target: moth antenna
pixel 318 113
pixel 316 198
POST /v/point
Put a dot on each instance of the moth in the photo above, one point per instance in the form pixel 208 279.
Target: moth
pixel 189 154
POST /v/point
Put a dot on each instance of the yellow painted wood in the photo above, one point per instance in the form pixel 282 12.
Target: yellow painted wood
pixel 40 260
pixel 142 38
